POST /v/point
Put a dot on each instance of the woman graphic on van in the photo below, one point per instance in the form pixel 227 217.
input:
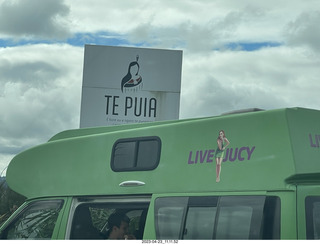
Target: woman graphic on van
pixel 222 142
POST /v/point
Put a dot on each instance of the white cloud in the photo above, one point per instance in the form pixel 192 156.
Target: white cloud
pixel 267 78
pixel 305 30
pixel 40 93
pixel 158 21
pixel 34 18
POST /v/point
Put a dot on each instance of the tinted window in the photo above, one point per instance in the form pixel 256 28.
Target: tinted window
pixel 136 154
pixel 200 218
pixel 313 217
pixel 148 153
pixel 226 217
pixel 37 221
pixel 124 155
pixel 240 217
pixel 90 220
pixel 271 218
pixel 200 223
pixel 170 213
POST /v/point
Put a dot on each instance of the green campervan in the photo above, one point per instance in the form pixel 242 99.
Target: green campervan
pixel 164 177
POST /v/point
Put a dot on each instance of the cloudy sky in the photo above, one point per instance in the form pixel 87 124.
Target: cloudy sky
pixel 236 55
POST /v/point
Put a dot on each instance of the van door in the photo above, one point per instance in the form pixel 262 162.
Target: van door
pixel 198 217
pixel 91 217
pixel 308 204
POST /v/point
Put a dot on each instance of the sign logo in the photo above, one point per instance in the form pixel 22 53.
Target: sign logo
pixel 132 79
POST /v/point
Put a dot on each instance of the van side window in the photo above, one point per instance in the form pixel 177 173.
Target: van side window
pixel 36 221
pixel 200 218
pixel 226 217
pixel 312 205
pixel 239 217
pixel 136 154
pixel 90 220
pixel 170 212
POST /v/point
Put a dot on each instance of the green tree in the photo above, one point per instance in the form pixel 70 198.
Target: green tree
pixel 9 200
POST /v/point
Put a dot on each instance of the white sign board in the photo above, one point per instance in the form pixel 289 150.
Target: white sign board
pixel 124 85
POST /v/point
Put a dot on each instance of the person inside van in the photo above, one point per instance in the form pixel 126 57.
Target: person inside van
pixel 118 227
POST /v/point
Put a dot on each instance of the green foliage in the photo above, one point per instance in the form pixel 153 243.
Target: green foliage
pixel 100 216
pixel 9 200
pixel 36 225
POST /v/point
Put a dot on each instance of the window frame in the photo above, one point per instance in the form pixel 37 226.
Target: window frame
pixel 137 141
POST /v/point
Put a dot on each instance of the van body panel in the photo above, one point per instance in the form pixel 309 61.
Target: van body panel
pixel 63 221
pixel 304 131
pixel 260 142
pixel 271 166
pixel 288 214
